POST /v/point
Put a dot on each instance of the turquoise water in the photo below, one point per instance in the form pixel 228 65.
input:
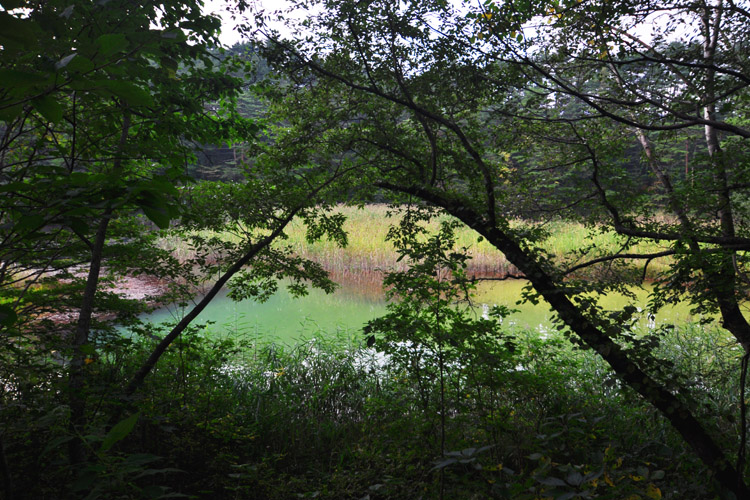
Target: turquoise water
pixel 289 320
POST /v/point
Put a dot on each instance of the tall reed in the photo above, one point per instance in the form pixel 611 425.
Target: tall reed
pixel 369 251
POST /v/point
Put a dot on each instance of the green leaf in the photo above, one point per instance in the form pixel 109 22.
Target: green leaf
pixel 80 64
pixel 176 35
pixel 16 31
pixel 10 4
pixel 78 225
pixel 552 481
pixel 7 315
pixel 88 349
pixel 566 496
pixel 55 443
pixel 49 108
pixel 158 216
pixel 111 43
pixel 13 78
pixel 155 208
pixel 10 113
pixel 168 63
pixel 574 478
pixel 12 187
pixel 67 12
pixel 119 432
pixel 163 186
pixel 62 63
pixel 85 178
pixel 140 459
pixel 133 94
pixel 29 223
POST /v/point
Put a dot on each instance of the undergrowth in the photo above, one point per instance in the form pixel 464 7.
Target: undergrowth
pixel 237 418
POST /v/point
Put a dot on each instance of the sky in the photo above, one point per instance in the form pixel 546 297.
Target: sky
pixel 229 36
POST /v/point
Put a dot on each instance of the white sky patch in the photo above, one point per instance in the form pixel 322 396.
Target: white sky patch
pixel 276 11
pixel 229 35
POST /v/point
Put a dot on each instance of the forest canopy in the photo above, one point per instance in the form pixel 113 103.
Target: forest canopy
pixel 628 117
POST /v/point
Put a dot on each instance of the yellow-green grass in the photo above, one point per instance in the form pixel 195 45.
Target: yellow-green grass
pixel 368 250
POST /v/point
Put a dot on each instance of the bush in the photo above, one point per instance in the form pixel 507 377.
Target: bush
pixel 225 417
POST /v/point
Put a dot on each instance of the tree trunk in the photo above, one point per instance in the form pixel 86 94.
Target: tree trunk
pixel 77 374
pixel 674 410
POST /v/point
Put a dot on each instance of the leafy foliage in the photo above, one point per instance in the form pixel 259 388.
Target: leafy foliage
pixel 539 109
pixel 233 416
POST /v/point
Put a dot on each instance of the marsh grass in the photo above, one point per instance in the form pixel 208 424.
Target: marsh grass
pixel 369 251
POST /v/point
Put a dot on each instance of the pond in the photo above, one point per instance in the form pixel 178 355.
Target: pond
pixel 289 320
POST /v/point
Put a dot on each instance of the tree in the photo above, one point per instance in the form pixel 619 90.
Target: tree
pixel 457 108
pixel 100 106
pixel 102 109
pixel 431 331
pixel 664 90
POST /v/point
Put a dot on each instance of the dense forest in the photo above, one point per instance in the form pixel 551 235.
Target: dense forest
pixel 136 149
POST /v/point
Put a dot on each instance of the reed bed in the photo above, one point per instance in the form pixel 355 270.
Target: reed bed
pixel 368 250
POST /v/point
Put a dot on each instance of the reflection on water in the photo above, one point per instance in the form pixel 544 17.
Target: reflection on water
pixel 360 298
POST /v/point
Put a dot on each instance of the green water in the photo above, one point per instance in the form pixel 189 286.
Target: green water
pixel 285 319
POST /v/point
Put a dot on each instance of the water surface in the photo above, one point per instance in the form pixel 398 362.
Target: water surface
pixel 289 320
